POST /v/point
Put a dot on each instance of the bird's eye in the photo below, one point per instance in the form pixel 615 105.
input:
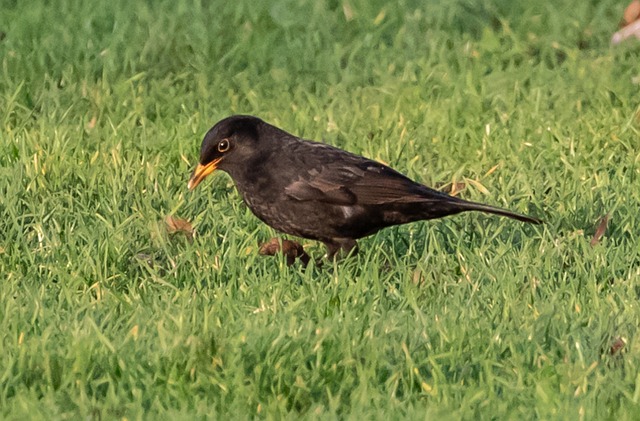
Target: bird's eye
pixel 223 146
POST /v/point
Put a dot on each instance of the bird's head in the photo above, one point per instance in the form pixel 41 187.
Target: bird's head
pixel 227 144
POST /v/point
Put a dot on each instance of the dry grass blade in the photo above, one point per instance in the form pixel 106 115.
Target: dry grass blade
pixel 452 188
pixel 482 189
pixel 602 228
pixel 491 170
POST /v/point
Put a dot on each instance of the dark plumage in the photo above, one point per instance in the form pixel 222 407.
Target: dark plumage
pixel 317 191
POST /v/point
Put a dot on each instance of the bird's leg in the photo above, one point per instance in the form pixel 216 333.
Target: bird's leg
pixel 345 246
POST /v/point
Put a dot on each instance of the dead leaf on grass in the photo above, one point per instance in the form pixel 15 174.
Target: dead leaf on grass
pixel 291 249
pixel 630 23
pixel 177 225
pixel 631 13
pixel 617 346
pixel 92 123
pixel 602 228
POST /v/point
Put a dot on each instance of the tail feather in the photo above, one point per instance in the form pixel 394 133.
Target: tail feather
pixel 473 206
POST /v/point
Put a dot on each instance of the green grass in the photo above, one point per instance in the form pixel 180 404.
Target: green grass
pixel 105 316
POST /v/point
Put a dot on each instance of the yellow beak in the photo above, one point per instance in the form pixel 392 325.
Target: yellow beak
pixel 201 172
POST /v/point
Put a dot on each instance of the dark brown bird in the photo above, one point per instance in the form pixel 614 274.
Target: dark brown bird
pixel 317 191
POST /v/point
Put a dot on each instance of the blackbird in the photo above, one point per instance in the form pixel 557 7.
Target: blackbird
pixel 317 191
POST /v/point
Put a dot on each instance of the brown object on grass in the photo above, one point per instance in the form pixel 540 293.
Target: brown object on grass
pixel 629 25
pixel 631 13
pixel 291 249
pixel 602 228
pixel 617 346
pixel 176 225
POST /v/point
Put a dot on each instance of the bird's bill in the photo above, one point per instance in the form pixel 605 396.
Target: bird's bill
pixel 201 172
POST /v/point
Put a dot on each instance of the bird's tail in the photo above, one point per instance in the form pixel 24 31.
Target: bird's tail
pixel 465 205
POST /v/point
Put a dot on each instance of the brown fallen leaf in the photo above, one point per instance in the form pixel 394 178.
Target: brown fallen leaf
pixel 630 23
pixel 602 227
pixel 631 13
pixel 176 225
pixel 291 249
pixel 617 346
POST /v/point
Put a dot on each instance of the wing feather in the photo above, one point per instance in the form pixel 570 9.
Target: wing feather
pixel 352 180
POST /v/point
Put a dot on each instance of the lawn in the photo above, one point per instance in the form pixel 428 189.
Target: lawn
pixel 107 315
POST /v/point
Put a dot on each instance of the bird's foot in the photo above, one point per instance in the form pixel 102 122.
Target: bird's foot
pixel 342 248
pixel 291 250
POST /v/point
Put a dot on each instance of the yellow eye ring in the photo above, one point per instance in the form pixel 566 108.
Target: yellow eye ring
pixel 223 145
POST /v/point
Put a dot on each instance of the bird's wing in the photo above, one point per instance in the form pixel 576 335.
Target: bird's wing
pixel 357 181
